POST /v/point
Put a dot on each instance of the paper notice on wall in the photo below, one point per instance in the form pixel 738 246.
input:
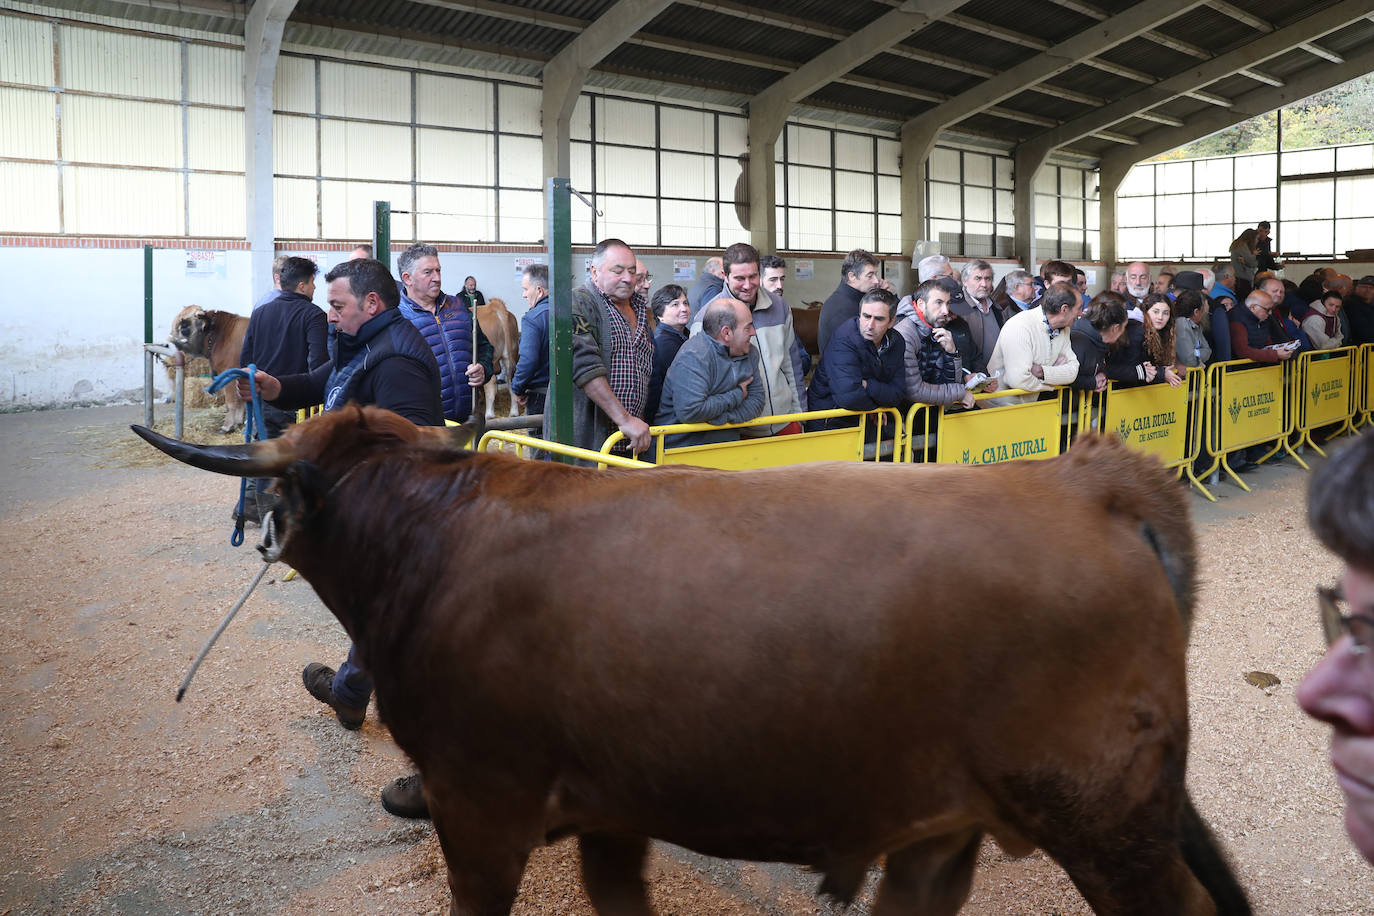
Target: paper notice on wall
pixel 805 269
pixel 1091 276
pixel 521 264
pixel 201 263
pixel 684 270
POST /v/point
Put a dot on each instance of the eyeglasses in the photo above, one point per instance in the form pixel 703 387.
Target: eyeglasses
pixel 1268 309
pixel 1334 623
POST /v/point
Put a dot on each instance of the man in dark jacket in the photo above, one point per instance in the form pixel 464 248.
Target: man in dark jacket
pixel 858 275
pixel 715 377
pixel 864 365
pixel 1101 325
pixel 287 335
pixel 447 325
pixel 376 357
pixel 530 383
pixel 708 285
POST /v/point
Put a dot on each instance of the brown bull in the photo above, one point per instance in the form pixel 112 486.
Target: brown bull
pixel 806 324
pixel 503 331
pixel 828 683
pixel 218 337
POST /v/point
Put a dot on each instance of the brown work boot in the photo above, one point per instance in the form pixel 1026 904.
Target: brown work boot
pixel 319 680
pixel 405 797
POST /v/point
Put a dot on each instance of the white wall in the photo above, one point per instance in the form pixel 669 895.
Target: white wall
pixel 71 319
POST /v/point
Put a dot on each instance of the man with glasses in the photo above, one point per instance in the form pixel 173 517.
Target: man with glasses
pixel 1340 689
pixel 1250 330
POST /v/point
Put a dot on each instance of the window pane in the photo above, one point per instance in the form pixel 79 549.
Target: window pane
pixel 853 151
pixel 978 204
pixel 977 169
pixel 944 164
pixel 944 200
pixel 1175 177
pixel 854 191
pixel 1140 180
pixel 1255 171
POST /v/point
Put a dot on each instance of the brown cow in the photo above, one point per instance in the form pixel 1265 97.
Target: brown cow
pixel 829 703
pixel 503 331
pixel 218 337
pixel 806 324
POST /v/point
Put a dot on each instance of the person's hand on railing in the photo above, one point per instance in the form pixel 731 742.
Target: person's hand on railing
pixel 1172 377
pixel 1100 382
pixel 637 432
pixel 1150 371
pixel 1285 354
pixel 968 400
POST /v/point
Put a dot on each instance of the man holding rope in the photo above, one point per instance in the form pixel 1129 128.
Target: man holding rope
pixel 376 357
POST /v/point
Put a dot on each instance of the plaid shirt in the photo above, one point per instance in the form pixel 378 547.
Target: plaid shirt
pixel 632 355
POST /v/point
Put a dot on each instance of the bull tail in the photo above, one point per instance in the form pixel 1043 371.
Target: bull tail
pixel 1207 863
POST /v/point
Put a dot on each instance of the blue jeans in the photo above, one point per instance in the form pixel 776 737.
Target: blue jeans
pixel 352 685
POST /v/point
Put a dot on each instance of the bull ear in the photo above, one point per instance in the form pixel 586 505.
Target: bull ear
pixel 256 459
pixel 303 490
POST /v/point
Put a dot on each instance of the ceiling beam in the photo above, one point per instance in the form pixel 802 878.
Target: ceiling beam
pixel 1251 104
pixel 1092 41
pixel 1209 98
pixel 1114 137
pixel 1138 104
pixel 1159 38
pixel 1157 118
pixel 1240 15
pixel 1321 52
pixel 1257 76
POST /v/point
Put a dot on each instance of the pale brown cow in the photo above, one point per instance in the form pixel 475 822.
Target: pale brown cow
pixel 852 693
pixel 503 331
pixel 218 337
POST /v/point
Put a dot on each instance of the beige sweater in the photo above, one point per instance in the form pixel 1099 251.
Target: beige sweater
pixel 1025 339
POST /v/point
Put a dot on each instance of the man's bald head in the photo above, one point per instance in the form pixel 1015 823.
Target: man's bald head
pixel 715 267
pixel 730 322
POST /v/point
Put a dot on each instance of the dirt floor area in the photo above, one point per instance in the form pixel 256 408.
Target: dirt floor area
pixel 248 797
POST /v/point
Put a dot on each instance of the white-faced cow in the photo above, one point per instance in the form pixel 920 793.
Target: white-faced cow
pixel 218 337
pixel 503 331
pixel 831 681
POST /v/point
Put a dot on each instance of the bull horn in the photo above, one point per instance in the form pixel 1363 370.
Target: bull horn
pixel 251 459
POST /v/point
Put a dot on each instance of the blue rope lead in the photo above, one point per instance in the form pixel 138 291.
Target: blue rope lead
pixel 253 431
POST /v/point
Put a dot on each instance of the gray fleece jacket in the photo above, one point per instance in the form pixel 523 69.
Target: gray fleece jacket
pixel 702 386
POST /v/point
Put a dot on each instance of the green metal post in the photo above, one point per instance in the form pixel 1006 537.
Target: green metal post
pixel 381 231
pixel 558 412
pixel 147 293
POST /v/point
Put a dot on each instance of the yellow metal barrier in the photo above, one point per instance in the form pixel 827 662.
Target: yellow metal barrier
pixel 1325 392
pixel 1159 419
pixel 846 444
pixel 533 443
pixel 988 435
pixel 1364 386
pixel 1248 403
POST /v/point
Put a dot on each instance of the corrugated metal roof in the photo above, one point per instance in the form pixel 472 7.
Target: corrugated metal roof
pixel 695 52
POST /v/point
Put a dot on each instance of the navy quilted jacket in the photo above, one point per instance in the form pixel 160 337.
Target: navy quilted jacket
pixel 448 331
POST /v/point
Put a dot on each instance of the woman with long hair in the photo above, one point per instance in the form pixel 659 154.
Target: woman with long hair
pixel 1159 338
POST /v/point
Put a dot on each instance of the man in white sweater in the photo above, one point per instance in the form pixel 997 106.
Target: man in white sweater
pixel 1033 351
